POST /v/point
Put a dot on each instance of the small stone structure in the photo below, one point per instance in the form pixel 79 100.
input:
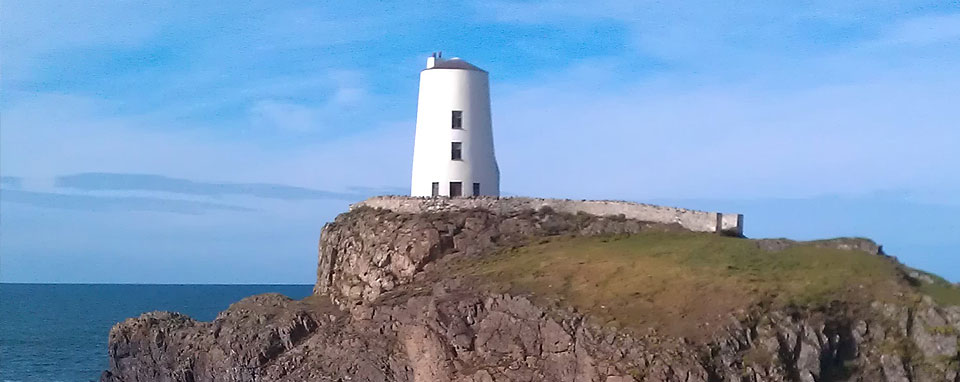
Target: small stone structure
pixel 698 221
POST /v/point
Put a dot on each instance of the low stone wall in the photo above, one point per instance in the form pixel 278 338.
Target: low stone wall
pixel 699 221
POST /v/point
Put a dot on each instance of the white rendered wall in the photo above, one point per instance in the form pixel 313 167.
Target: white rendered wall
pixel 442 91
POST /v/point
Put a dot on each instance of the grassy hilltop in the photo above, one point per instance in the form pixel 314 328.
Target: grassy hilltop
pixel 683 281
pixel 479 294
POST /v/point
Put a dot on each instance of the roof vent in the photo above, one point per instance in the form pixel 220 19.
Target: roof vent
pixel 434 59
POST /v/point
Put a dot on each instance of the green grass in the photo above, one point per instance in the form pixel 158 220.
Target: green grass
pixel 942 292
pixel 684 282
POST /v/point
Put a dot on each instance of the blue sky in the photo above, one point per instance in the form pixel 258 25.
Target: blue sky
pixel 193 142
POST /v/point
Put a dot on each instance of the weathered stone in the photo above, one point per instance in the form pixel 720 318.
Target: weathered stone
pixel 697 221
pixel 370 251
pixel 844 243
pixel 383 313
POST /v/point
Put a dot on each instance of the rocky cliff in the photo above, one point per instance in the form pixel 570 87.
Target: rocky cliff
pixel 541 295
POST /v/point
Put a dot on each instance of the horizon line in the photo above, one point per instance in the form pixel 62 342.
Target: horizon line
pixel 146 284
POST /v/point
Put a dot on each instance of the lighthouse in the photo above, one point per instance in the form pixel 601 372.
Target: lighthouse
pixel 453 146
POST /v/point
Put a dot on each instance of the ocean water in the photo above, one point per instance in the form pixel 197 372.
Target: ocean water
pixel 58 332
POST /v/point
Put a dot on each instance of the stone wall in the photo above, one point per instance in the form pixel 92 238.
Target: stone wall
pixel 699 221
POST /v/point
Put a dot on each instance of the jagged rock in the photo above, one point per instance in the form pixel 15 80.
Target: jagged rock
pixel 384 310
pixel 369 251
pixel 844 243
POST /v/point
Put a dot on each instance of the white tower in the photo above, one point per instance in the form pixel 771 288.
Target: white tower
pixel 453 148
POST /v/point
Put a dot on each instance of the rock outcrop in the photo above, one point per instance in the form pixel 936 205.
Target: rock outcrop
pixel 369 251
pixel 693 220
pixel 387 308
pixel 844 243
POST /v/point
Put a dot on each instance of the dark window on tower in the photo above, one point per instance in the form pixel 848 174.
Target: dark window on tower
pixel 435 189
pixel 457 122
pixel 456 189
pixel 476 189
pixel 456 151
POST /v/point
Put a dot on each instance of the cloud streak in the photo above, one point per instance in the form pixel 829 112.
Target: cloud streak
pixel 114 203
pixel 149 182
pixel 925 30
pixel 11 181
pixel 279 109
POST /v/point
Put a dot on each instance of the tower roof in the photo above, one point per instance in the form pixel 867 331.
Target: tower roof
pixel 453 63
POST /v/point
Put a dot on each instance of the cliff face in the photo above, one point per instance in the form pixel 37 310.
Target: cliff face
pixel 409 297
pixel 371 251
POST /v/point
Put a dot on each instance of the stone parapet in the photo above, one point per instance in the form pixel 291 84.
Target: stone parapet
pixel 698 221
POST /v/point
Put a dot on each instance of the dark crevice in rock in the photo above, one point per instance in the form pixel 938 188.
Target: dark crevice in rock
pixel 709 361
pixel 384 311
pixel 908 354
pixel 787 354
pixel 839 352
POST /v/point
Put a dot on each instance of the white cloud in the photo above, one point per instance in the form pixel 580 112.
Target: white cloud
pixel 571 138
pixel 729 120
pixel 346 93
pixel 34 29
pixel 287 115
pixel 54 135
pixel 51 135
pixel 548 12
pixel 925 30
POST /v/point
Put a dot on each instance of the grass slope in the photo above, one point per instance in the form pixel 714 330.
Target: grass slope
pixel 685 282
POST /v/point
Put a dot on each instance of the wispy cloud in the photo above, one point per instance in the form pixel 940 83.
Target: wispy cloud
pixel 114 203
pixel 277 108
pixel 925 30
pixel 148 182
pixel 29 40
pixel 11 181
pixel 48 136
pixel 383 190
pixel 287 116
pixel 747 140
pixel 345 93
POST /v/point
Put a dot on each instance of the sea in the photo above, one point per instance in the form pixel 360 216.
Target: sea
pixel 58 332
